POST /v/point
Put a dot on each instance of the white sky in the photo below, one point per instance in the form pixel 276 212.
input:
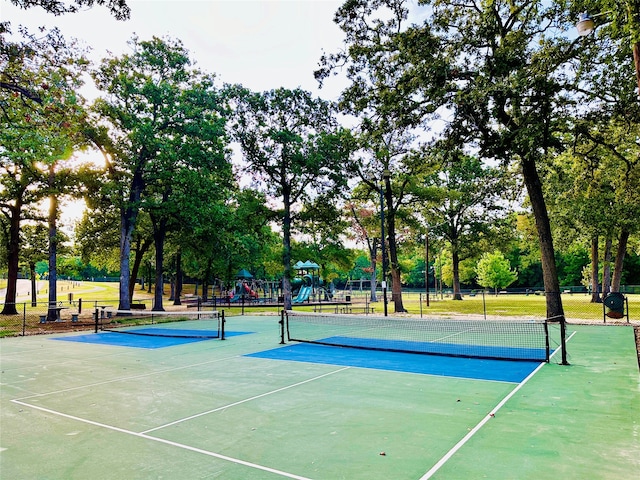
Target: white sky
pixel 261 44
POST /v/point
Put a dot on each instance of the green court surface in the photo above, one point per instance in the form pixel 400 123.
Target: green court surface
pixel 211 409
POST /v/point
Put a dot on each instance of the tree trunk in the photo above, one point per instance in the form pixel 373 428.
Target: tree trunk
pixel 205 281
pixel 455 264
pixel 178 291
pixel 595 286
pixel 617 269
pixel 286 250
pixel 13 251
pixel 555 311
pixel 149 275
pixel 636 51
pixel 606 268
pixel 34 285
pixel 126 232
pixel 128 217
pixel 142 247
pixel 373 253
pixel 159 234
pixel 52 314
pixel 172 289
pixel 396 280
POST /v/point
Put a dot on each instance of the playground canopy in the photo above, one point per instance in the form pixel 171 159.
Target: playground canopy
pixel 308 265
pixel 243 274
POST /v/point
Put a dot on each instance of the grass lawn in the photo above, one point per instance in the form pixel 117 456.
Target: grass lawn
pixel 577 306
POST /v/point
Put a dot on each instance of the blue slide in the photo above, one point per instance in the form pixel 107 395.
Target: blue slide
pixel 303 294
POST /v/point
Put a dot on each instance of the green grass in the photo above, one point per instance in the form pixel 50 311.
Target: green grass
pixel 576 306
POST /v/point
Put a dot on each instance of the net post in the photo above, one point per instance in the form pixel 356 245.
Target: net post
pixel 281 322
pixel 96 316
pixel 222 321
pixel 546 340
pixel 563 339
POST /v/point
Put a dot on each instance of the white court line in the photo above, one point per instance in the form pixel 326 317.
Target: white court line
pixel 488 417
pixel 132 377
pixel 166 442
pixel 183 446
pixel 245 400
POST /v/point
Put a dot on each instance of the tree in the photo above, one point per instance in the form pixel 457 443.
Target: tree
pixel 364 227
pixel 494 271
pixel 16 80
pixel 118 8
pixel 36 132
pixel 500 68
pixel 388 173
pixel 387 112
pixel 166 148
pixel 34 249
pixel 467 206
pixel 293 149
pixel 323 229
pixel 607 126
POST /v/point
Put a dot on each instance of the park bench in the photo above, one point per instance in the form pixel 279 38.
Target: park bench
pixel 366 309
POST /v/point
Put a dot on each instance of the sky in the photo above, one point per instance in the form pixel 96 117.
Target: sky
pixel 261 44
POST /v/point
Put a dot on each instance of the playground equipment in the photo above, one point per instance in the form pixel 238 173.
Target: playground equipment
pixel 303 294
pixel 309 284
pixel 242 288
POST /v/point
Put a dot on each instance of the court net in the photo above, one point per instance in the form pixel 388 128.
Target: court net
pixel 181 324
pixel 489 339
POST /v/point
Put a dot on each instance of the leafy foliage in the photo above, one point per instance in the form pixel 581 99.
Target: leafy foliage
pixel 294 150
pixel 494 271
pixel 118 8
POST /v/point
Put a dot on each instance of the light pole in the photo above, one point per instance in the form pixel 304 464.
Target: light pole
pixel 383 247
pixel 586 25
pixel 383 185
pixel 426 264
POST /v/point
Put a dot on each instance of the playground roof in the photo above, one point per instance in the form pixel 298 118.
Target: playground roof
pixel 308 265
pixel 243 274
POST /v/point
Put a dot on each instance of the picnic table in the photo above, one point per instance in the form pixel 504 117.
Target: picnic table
pixel 43 318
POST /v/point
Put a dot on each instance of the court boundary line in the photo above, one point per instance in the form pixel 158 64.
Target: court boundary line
pixel 131 377
pixel 447 456
pixel 240 402
pixel 144 434
pixel 164 441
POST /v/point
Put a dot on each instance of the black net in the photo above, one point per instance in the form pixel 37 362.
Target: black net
pixel 197 324
pixel 491 339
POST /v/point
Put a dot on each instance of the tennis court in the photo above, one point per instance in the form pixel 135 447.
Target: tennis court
pixel 247 407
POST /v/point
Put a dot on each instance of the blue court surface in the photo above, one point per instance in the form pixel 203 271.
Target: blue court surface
pixel 481 369
pixel 148 337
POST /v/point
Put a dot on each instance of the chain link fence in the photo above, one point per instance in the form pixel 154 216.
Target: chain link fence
pixel 29 318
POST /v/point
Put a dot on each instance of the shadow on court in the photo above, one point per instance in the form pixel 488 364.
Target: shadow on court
pixel 246 408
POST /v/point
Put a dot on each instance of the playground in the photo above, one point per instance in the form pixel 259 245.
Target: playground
pixel 307 288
